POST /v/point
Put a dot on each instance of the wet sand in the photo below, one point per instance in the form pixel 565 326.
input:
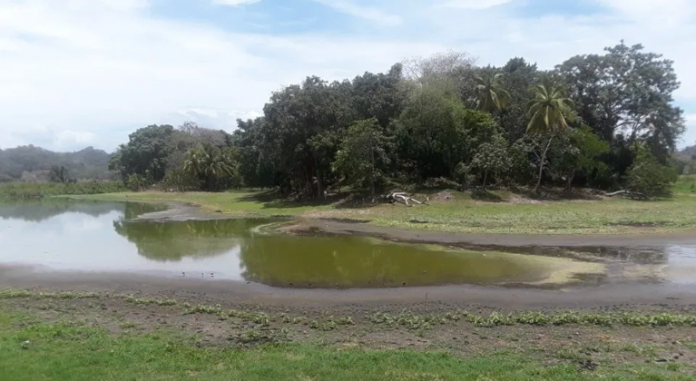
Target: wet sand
pixel 209 291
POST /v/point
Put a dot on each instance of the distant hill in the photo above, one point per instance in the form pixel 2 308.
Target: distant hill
pixel 30 163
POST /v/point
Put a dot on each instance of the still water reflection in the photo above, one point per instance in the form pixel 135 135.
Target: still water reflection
pixel 101 237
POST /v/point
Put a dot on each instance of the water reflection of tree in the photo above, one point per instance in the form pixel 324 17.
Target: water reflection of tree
pixel 350 262
pixel 134 209
pixel 41 211
pixel 172 241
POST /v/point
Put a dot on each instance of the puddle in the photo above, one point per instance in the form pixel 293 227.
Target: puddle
pixel 99 237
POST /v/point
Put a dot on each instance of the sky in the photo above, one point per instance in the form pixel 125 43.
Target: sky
pixel 77 73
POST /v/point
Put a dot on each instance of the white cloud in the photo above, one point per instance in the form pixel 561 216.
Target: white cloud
pixel 364 12
pixel 659 13
pixel 70 137
pixel 105 67
pixel 234 3
pixel 474 4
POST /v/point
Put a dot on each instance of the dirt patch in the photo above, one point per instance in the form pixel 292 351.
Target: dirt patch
pixel 442 196
pixel 517 199
pixel 655 224
pixel 177 212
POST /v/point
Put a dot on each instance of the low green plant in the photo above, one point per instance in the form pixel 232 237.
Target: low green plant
pixel 158 302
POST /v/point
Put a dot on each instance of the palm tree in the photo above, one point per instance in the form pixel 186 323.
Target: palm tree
pixel 208 164
pixel 549 113
pixel 490 93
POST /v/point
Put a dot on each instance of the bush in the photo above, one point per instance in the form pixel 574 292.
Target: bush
pixel 649 176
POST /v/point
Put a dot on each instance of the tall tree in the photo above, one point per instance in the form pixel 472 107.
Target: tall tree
pixel 437 132
pixel 490 94
pixel 547 116
pixel 145 154
pixel 518 78
pixel 362 159
pixel 628 92
pixel 58 174
pixel 211 165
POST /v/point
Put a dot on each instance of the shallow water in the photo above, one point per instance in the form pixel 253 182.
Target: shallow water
pixel 100 237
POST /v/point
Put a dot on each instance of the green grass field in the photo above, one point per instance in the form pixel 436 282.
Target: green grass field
pixel 32 350
pixel 507 213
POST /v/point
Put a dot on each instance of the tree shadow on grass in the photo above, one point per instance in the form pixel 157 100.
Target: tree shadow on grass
pixel 274 200
pixel 485 195
pixel 557 194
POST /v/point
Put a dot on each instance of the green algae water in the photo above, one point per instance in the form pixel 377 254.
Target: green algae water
pixel 102 237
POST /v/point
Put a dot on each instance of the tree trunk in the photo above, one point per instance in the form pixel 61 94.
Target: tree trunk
pixel 569 183
pixel 543 162
pixel 372 175
pixel 320 187
pixel 485 177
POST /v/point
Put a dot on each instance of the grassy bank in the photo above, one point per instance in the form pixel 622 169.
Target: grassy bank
pixel 33 349
pixel 12 192
pixel 500 212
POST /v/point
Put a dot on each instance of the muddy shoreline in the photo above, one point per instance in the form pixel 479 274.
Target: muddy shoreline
pixel 252 295
pixel 617 295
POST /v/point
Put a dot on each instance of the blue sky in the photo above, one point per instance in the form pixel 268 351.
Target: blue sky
pixel 89 72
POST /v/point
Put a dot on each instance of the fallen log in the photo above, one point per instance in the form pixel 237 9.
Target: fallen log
pixel 631 194
pixel 615 193
pixel 404 198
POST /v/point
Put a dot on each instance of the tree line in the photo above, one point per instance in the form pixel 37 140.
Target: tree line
pixel 601 120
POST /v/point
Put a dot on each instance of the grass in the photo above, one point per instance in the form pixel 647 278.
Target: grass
pixel 11 192
pixel 60 351
pixel 465 213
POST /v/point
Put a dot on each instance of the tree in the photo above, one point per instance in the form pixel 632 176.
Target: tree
pixel 578 153
pixel 547 116
pixel 58 174
pixel 302 123
pixel 490 94
pixel 491 158
pixel 436 132
pixel 648 175
pixel 627 93
pixel 145 154
pixel 212 166
pixel 361 158
pixel 518 79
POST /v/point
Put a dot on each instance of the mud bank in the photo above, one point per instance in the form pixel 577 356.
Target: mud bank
pixel 248 294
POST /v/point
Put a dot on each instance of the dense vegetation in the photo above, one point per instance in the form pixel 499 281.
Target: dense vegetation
pixel 685 161
pixel 604 121
pixel 34 164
